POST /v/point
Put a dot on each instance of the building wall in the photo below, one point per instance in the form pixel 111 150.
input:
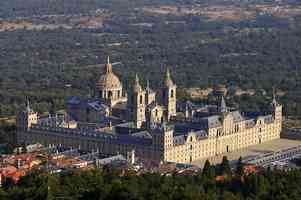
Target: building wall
pixel 105 146
pixel 163 147
pixel 194 149
pixel 226 138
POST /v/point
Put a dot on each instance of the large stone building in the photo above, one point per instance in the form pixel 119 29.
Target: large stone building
pixel 153 124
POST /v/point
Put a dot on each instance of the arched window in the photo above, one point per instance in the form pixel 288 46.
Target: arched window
pixel 171 93
pixel 156 112
pixel 118 93
pixel 141 99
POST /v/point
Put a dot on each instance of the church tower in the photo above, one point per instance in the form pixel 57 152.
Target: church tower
pixel 276 110
pixel 150 95
pixel 169 96
pixel 24 119
pixel 136 103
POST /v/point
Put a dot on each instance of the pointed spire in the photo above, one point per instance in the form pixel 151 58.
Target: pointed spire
pixel 137 86
pixel 147 85
pixel 168 81
pixel 136 78
pixel 167 74
pixel 108 67
pixel 108 60
pixel 28 105
pixel 223 107
pixel 274 102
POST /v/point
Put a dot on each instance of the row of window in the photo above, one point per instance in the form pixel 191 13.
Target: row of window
pixel 110 94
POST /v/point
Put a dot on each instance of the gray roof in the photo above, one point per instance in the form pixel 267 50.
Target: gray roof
pixel 201 134
pixel 212 121
pixel 181 139
pixel 223 107
pixel 142 134
pixel 268 119
pixel 237 117
pixel 95 104
pixel 109 160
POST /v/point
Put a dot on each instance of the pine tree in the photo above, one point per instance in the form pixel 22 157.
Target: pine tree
pixel 208 170
pixel 240 167
pixel 225 167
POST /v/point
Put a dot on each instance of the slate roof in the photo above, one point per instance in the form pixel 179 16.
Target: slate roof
pixel 181 139
pixel 142 134
pixel 237 117
pixel 84 103
pixel 211 121
pixel 268 119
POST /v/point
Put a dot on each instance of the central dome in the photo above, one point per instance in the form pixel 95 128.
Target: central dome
pixel 108 80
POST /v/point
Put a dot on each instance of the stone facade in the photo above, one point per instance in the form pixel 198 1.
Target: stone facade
pixel 154 126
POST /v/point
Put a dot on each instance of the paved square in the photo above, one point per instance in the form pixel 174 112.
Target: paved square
pixel 271 146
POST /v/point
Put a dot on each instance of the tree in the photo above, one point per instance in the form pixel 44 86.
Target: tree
pixel 208 170
pixel 8 183
pixel 225 167
pixel 240 167
pixel 3 194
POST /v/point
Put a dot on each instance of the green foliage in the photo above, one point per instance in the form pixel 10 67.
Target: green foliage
pixel 240 167
pixel 225 168
pixel 105 185
pixel 208 170
pixel 254 53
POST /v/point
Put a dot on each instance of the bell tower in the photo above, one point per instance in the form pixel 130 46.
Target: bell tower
pixel 136 103
pixel 24 119
pixel 276 110
pixel 169 96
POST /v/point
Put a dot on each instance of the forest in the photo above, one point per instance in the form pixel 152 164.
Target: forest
pixel 47 65
pixel 110 183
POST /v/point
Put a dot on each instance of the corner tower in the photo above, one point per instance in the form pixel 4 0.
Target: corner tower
pixel 276 110
pixel 24 120
pixel 169 96
pixel 136 103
